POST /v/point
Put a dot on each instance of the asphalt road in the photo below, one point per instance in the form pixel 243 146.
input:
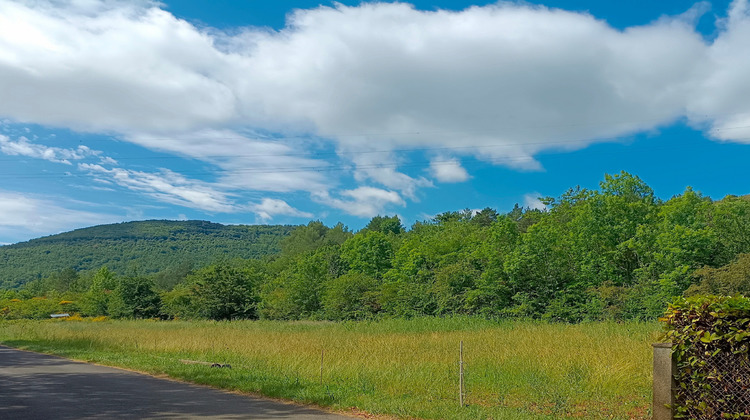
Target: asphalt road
pixel 36 386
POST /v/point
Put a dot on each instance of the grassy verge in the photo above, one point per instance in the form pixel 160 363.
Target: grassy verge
pixel 405 368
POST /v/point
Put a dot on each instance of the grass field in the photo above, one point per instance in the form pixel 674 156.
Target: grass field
pixel 399 368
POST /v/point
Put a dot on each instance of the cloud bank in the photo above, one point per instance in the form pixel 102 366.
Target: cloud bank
pixel 499 83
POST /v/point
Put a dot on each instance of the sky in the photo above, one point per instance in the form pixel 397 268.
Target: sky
pixel 282 112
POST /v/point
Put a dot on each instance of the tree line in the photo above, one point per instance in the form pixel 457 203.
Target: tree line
pixel 616 252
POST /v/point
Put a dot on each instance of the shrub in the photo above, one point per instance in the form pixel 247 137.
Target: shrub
pixel 223 292
pixel 351 296
pixel 710 340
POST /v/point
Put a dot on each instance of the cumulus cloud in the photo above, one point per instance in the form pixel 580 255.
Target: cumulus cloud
pixel 518 78
pixel 720 95
pixel 24 147
pixel 500 83
pixel 448 171
pixel 112 65
pixel 533 201
pixel 380 72
pixel 270 207
pixel 24 213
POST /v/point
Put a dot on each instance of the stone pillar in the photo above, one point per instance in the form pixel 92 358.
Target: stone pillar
pixel 664 385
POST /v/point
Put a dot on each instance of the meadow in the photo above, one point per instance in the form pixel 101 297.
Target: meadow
pixel 391 368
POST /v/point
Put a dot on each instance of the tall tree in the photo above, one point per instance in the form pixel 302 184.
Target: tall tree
pixel 224 292
pixel 134 297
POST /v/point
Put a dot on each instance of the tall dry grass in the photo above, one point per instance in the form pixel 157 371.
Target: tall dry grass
pixel 404 368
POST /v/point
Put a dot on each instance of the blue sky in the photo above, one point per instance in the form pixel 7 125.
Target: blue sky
pixel 286 111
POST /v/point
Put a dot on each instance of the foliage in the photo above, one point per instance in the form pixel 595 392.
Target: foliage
pixel 18 307
pixel 223 292
pixel 96 300
pixel 703 329
pixel 351 296
pixel 368 252
pixel 731 279
pixel 385 224
pixel 313 236
pixel 616 252
pixel 146 247
pixel 134 297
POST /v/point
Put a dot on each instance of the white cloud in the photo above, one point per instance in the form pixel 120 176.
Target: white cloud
pixel 382 167
pixel 112 65
pixel 720 96
pixel 24 147
pixel 246 161
pixel 504 81
pixel 448 171
pixel 24 213
pixel 270 207
pixel 168 187
pixel 362 201
pixel 532 201
pixel 500 83
pixel 380 73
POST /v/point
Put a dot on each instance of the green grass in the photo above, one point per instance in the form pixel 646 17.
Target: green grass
pixel 401 368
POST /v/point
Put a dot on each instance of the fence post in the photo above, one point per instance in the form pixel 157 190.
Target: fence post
pixel 664 385
pixel 461 391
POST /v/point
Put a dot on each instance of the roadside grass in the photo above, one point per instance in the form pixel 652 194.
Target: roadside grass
pixel 400 368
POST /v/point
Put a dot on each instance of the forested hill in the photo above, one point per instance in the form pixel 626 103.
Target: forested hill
pixel 616 252
pixel 144 247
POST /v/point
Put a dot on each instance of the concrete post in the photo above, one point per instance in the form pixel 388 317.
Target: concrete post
pixel 664 384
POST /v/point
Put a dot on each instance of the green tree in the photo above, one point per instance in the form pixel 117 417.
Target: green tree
pixel 295 291
pixel 731 223
pixel 308 238
pixel 492 293
pixel 385 224
pixel 678 240
pixel 351 296
pixel 134 297
pixel 96 300
pixel 58 282
pixel 368 252
pixel 178 302
pixel 224 292
pixel 485 217
pixel 729 280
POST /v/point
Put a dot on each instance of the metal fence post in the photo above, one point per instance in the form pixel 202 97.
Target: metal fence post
pixel 664 385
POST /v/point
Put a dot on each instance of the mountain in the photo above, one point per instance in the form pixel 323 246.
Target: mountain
pixel 143 247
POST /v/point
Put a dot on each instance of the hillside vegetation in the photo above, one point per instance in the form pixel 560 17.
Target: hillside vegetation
pixel 618 252
pixel 136 247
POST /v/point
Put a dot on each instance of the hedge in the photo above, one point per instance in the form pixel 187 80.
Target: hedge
pixel 710 343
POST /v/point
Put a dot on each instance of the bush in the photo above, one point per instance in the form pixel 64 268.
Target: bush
pixel 351 296
pixel 711 341
pixel 34 308
pixel 223 292
pixel 134 297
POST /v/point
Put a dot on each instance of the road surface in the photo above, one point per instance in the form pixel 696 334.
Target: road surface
pixel 36 386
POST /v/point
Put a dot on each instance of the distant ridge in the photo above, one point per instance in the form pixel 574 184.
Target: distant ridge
pixel 145 247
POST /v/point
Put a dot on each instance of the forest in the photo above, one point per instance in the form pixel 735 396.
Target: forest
pixel 145 247
pixel 613 253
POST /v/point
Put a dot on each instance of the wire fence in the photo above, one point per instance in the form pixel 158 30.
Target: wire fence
pixel 724 391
